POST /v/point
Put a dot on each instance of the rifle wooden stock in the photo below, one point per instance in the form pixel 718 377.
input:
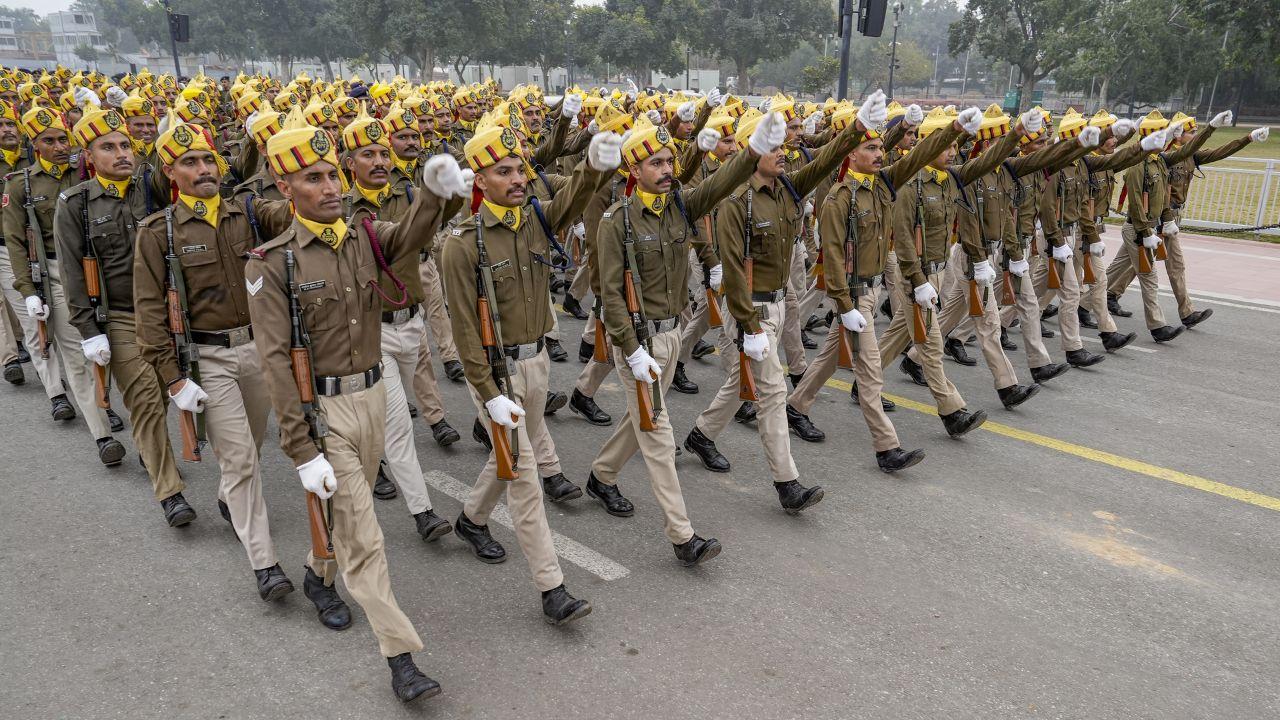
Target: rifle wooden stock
pixel 919 333
pixel 714 318
pixel 506 464
pixel 644 400
pixel 819 275
pixel 91 286
pixel 746 381
pixel 321 545
pixel 187 429
pixel 975 299
pixel 601 352
pixel 1055 280
pixel 845 359
pixel 1007 296
pixel 101 386
pixel 300 361
pixel 1161 253
pixel 42 331
pixel 1086 260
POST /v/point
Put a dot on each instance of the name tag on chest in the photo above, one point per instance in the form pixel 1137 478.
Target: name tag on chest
pixel 102 220
pixel 500 265
pixel 313 285
pixel 188 249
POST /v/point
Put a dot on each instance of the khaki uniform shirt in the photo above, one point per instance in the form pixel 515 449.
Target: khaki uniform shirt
pixel 44 194
pixel 1183 161
pixel 340 307
pixel 1028 195
pixel 520 274
pixel 212 265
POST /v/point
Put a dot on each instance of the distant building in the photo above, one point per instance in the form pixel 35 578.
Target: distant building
pixel 25 48
pixel 73 29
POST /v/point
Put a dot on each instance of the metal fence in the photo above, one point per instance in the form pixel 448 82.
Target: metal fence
pixel 1239 193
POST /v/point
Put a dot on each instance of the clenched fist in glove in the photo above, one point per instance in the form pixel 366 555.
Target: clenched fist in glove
pixel 708 138
pixel 1260 135
pixel 1169 229
pixel 714 98
pixel 36 308
pixel 1150 242
pixel 643 366
pixel 686 111
pixel 969 120
pixel 442 176
pixel 317 477
pixel 570 106
pixel 873 111
pixel 1122 128
pixel 925 294
pixel 716 276
pixel 97 350
pixel 1062 253
pixel 983 273
pixel 1222 119
pixel 1097 249
pixel 190 397
pixel 1019 267
pixel 604 153
pixel 853 321
pixel 504 411
pixel 768 135
pixel 755 346
pixel 1153 142
pixel 914 116
pixel 1031 121
pixel 1090 137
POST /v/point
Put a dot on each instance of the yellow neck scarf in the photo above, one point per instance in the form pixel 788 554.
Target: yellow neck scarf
pixel 655 203
pixel 12 156
pixel 331 234
pixel 408 167
pixel 204 208
pixel 114 188
pixel 867 181
pixel 377 197
pixel 510 216
pixel 467 125
pixel 55 170
pixel 939 176
pixel 143 148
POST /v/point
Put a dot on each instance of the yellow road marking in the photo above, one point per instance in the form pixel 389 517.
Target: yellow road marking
pixel 1098 456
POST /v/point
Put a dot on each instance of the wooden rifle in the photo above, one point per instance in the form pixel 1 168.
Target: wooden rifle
pixel 1055 279
pixel 37 260
pixel 1086 259
pixel 648 394
pixel 319 517
pixel 96 289
pixel 919 324
pixel 191 427
pixel 600 354
pixel 714 318
pixel 506 445
pixel 1144 255
pixel 746 381
pixel 849 341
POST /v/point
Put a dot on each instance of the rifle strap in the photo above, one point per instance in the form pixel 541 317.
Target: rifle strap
pixel 381 260
pixel 253 220
pixel 677 197
pixel 551 238
pixel 537 169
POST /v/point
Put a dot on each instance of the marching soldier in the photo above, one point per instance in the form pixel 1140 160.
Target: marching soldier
pixel 99 219
pixel 334 268
pixel 195 250
pixel 494 266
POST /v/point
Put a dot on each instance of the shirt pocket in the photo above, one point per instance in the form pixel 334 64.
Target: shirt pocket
pixel 201 274
pixel 649 256
pixel 506 283
pixel 366 277
pixel 320 307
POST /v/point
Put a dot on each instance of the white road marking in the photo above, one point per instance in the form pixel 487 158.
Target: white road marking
pixel 1126 347
pixel 1271 306
pixel 568 549
pixel 1213 251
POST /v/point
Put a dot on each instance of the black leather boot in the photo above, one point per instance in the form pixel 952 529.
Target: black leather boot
pixel 1113 341
pixel 430 526
pixel 177 512
pixel 13 373
pixel 62 409
pixel 383 488
pixel 1045 332
pixel 1087 319
pixel 807 342
pixel 585 406
pixel 572 306
pixel 444 434
pixel 557 488
pixel 1005 342
pixel 117 424
pixel 701 349
pixel 330 608
pixel 555 350
pixel 481 434
pixel 555 401
pixel 1197 317
pixel 896 459
pixel 803 427
pixel 408 682
pixel 746 412
pixel 453 370
pixel 696 550
pixel 561 608
pixel 962 421
pixel 1048 312
pixel 954 349
pixel 885 403
pixel 1166 333
pixel 705 448
pixel 610 497
pixel 1014 395
pixel 482 543
pixel 795 497
pixel 1113 307
pixel 913 370
pixel 110 451
pixel 586 351
pixel 272 583
pixel 1083 358
pixel 1045 373
pixel 681 382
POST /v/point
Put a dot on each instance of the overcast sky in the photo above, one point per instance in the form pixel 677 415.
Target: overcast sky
pixel 42 7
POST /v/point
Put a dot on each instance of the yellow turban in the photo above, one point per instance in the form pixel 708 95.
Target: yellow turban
pixel 181 138
pixel 1102 119
pixel 995 124
pixel 1152 122
pixel 266 124
pixel 318 112
pixel 298 146
pixel 96 123
pixel 135 106
pixel 41 119
pixel 365 130
pixel 645 141
pixel 612 118
pixel 937 119
pixel 782 104
pixel 398 118
pixel 1188 122
pixel 1071 124
pixel 490 145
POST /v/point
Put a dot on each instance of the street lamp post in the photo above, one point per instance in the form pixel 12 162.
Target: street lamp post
pixel 893 47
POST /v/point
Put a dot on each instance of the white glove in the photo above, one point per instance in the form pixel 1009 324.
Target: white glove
pixel 632 90
pixel 317 477
pixel 655 117
pixel 1169 229
pixel 717 277
pixel 504 411
pixel 85 97
pixel 853 321
pixel 162 127
pixel 442 176
pixel 1222 119
pixel 810 125
pixel 1090 137
pixel 248 123
pixel 190 398
pixel 708 138
pixel 1019 267
pixel 468 180
pixel 1260 134
pixel 97 350
pixel 714 98
pixel 1150 242
pixel 593 127
pixel 755 346
pixel 1153 142
pixel 1032 121
pixel 580 231
pixel 36 308
pixel 685 111
pixel 116 96
pixel 604 153
pixel 873 112
pixel 643 367
pixel 914 116
pixel 808 208
pixel 769 134
pixel 1098 249
pixel 1122 128
pixel 925 294
pixel 570 106
pixel 764 104
pixel 970 120
pixel 984 273
pixel 1062 253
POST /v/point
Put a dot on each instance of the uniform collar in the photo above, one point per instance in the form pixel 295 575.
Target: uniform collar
pixel 654 203
pixel 53 170
pixel 866 180
pixel 113 188
pixel 938 176
pixel 374 197
pixel 408 167
pixel 205 209
pixel 11 157
pixel 331 234
pixel 508 217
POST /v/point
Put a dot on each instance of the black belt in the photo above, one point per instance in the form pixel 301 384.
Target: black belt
pixel 934 268
pixel 331 385
pixel 1171 207
pixel 54 256
pixel 771 296
pixel 664 325
pixel 525 351
pixel 864 285
pixel 235 337
pixel 399 316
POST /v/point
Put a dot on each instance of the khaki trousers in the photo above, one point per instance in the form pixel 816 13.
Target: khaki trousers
pixel 10 332
pixel 1123 269
pixel 147 401
pixel 594 373
pixel 866 371
pixel 1149 282
pixel 1068 294
pixel 694 319
pixel 955 308
pixel 353 446
pixel 897 338
pixel 771 385
pixel 658 448
pixel 1120 271
pixel 1026 308
pixel 524 495
pixel 46 369
pixel 580 288
pixel 401 345
pixel 792 345
pixel 425 386
pixel 437 313
pixel 1094 297
pixel 235 417
pixel 66 346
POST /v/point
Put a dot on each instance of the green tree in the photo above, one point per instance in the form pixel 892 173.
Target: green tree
pixel 86 53
pixel 821 76
pixel 787 71
pixel 24 19
pixel 637 35
pixel 749 31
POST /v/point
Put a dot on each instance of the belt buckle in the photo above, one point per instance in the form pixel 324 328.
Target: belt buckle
pixel 354 383
pixel 238 336
pixel 400 317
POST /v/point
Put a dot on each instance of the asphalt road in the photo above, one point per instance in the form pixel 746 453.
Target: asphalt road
pixel 1107 551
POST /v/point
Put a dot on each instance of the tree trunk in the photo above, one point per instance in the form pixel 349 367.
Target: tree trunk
pixel 1102 92
pixel 328 71
pixel 546 77
pixel 744 79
